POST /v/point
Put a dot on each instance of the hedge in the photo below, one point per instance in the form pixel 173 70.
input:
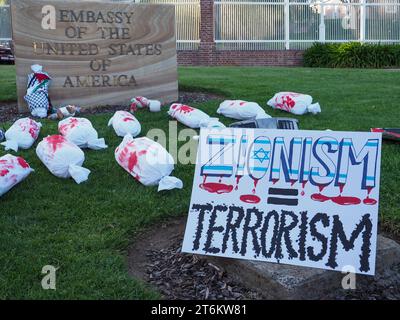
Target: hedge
pixel 352 55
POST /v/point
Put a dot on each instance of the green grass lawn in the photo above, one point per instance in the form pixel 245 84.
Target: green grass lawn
pixel 84 230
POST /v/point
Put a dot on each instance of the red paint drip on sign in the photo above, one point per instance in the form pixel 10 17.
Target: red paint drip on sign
pixel 369 201
pixel 218 188
pixel 250 198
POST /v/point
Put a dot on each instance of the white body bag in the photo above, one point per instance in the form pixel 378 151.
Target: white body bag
pixel 12 171
pixel 295 103
pixel 148 162
pixel 241 110
pixel 125 123
pixel 81 132
pixel 142 102
pixel 22 134
pixel 63 158
pixel 189 116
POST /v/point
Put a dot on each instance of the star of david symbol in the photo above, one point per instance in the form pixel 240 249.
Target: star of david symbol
pixel 261 155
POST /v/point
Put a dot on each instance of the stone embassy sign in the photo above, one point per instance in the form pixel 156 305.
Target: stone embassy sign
pixel 97 53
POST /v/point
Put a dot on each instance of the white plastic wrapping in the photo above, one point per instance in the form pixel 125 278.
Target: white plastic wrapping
pixel 155 106
pixel 63 158
pixel 81 132
pixel 65 112
pixel 295 103
pixel 148 162
pixel 212 123
pixel 22 134
pixel 12 171
pixel 41 113
pixel 125 123
pixel 189 116
pixel 142 102
pixel 241 110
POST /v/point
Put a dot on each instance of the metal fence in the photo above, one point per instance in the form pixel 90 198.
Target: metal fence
pixel 187 13
pixel 5 21
pixel 275 24
pixel 296 24
pixel 187 21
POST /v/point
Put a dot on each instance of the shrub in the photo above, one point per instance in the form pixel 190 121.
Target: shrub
pixel 352 55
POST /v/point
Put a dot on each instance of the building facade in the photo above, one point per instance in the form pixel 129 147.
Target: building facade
pixel 272 32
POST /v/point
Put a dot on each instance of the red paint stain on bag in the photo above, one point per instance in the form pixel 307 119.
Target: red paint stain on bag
pixel 4 172
pixel 133 159
pixel 55 141
pixel 73 122
pixel 33 129
pixel 182 108
pixel 129 160
pixel 23 163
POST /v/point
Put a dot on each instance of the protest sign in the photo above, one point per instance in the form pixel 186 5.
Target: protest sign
pixel 307 198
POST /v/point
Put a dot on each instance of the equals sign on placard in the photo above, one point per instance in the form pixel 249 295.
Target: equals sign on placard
pixel 286 197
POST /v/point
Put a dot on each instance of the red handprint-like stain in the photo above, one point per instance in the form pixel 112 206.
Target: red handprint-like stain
pixel 4 172
pixel 30 126
pixel 129 159
pixel 286 104
pixel 73 122
pixel 33 128
pixel 23 163
pixel 127 117
pixel 55 142
pixel 181 108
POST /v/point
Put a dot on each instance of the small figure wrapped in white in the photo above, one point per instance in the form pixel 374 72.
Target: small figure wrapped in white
pixel 125 123
pixel 241 110
pixel 142 102
pixel 63 158
pixel 81 132
pixel 148 162
pixel 64 112
pixel 12 171
pixel 189 116
pixel 37 94
pixel 22 134
pixel 295 103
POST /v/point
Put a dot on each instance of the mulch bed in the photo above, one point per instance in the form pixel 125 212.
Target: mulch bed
pixel 385 286
pixel 183 276
pixel 156 258
pixel 9 110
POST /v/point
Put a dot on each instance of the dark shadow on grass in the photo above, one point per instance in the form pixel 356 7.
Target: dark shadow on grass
pixel 195 89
